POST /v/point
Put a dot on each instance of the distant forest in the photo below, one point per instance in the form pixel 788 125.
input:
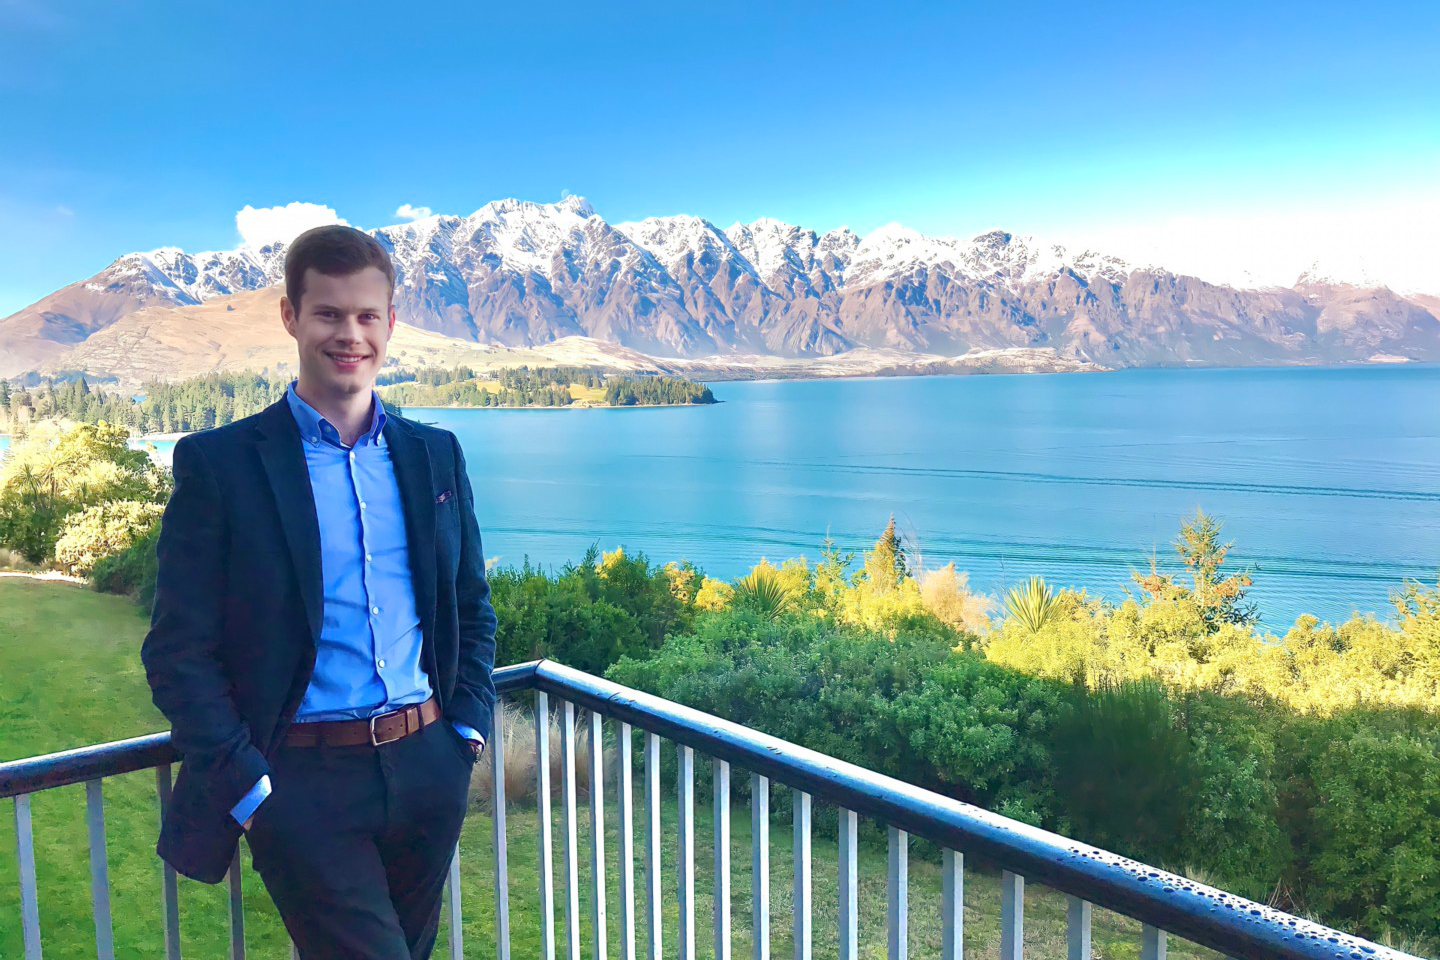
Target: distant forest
pixel 216 399
pixel 196 404
pixel 539 387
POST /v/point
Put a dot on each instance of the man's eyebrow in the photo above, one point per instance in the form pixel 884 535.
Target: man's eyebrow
pixel 327 306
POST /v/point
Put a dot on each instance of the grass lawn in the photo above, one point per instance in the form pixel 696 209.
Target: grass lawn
pixel 70 674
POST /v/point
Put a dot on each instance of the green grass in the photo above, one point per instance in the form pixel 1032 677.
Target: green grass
pixel 70 674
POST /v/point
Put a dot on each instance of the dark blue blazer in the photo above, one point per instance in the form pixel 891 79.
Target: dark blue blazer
pixel 239 600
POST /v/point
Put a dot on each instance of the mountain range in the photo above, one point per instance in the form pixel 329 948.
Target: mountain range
pixel 519 274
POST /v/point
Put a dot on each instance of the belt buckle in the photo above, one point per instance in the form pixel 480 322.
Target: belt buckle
pixel 373 718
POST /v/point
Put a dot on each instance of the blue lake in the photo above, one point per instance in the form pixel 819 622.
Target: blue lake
pixel 1328 479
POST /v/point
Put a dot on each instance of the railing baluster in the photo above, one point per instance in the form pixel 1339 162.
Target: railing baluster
pixel 542 805
pixel 721 779
pixel 237 910
pixel 496 746
pixel 567 811
pixel 801 818
pixel 452 882
pixel 654 907
pixel 626 790
pixel 1152 943
pixel 898 889
pixel 99 871
pixel 169 883
pixel 849 882
pixel 685 849
pixel 597 837
pixel 29 901
pixel 1077 929
pixel 952 905
pixel 1012 916
pixel 760 866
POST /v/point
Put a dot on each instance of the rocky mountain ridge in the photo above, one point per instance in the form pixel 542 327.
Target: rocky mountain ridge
pixel 522 274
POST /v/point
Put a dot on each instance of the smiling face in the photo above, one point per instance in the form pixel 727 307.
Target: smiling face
pixel 342 327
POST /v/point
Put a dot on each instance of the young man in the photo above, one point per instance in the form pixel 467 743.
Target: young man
pixel 322 639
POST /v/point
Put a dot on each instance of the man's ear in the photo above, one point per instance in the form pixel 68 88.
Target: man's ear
pixel 287 315
pixel 391 329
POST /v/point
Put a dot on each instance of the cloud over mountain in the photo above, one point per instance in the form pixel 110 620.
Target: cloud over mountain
pixel 520 274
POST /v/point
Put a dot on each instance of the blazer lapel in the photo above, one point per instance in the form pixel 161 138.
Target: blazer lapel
pixel 284 458
pixel 410 456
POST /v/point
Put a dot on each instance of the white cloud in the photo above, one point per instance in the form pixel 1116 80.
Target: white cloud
pixel 259 226
pixel 412 212
pixel 1386 241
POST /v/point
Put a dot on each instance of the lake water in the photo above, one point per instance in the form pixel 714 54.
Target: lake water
pixel 1328 479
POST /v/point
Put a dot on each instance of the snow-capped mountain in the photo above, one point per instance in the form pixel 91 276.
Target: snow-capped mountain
pixel 521 273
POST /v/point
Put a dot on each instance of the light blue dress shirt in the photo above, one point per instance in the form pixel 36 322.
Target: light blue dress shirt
pixel 368 658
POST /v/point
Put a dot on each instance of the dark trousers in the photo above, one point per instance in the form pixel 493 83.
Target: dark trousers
pixel 354 843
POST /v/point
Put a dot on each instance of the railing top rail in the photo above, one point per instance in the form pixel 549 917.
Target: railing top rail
pixel 1233 925
pixel 1214 918
pixel 141 753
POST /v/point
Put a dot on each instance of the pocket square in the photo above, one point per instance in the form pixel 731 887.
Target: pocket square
pixel 444 496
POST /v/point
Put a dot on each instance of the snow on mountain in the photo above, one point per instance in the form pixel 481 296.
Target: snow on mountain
pixel 522 273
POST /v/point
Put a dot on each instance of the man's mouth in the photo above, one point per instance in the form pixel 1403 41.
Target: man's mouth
pixel 348 358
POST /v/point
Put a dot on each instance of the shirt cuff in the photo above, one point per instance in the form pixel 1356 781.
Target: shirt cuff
pixel 469 733
pixel 251 801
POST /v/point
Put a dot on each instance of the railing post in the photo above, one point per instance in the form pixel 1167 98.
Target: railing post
pixel 952 905
pixel 801 918
pixel 760 866
pixel 237 910
pixel 99 871
pixel 29 901
pixel 685 849
pixel 1152 943
pixel 627 844
pixel 721 779
pixel 452 882
pixel 1077 929
pixel 169 883
pixel 545 867
pixel 567 809
pixel 597 837
pixel 1012 916
pixel 898 890
pixel 496 747
pixel 654 909
pixel 849 885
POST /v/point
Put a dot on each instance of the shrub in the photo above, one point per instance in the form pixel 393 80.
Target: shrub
pixel 97 532
pixel 131 571
pixel 1362 806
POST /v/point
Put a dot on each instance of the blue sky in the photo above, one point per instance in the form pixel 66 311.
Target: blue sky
pixel 1238 132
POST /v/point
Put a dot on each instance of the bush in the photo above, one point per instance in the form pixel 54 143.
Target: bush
pixel 590 614
pixel 1363 810
pixel 97 532
pixel 911 707
pixel 131 572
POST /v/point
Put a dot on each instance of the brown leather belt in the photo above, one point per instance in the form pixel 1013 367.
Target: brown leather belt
pixel 381 728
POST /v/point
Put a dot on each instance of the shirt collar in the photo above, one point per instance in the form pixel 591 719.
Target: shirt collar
pixel 314 427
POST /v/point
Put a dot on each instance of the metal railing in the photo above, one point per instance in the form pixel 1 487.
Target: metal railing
pixel 1163 903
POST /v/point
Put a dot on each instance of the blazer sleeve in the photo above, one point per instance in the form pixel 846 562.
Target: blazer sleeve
pixel 181 653
pixel 474 695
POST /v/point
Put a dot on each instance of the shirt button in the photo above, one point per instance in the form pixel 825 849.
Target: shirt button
pixel 368 558
pixel 375 610
pixel 379 663
pixel 362 504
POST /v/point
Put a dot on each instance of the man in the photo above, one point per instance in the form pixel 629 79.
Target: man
pixel 322 639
